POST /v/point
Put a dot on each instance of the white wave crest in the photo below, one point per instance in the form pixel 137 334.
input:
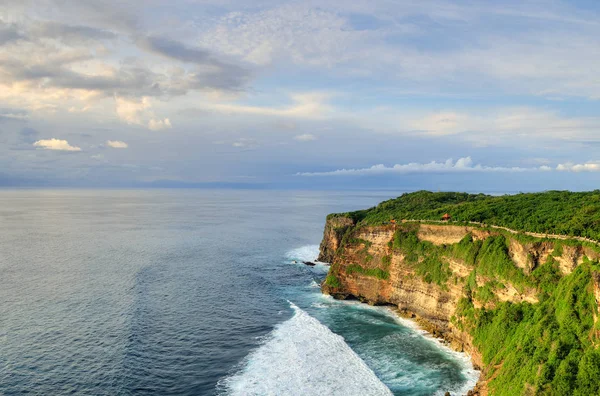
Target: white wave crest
pixel 304 253
pixel 308 253
pixel 303 357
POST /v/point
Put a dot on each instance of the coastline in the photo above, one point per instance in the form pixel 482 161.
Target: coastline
pixel 432 270
pixel 442 340
pixel 466 374
pixel 430 331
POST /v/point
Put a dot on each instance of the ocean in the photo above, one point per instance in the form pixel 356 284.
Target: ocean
pixel 195 292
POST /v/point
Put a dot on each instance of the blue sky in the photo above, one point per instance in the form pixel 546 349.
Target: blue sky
pixel 469 95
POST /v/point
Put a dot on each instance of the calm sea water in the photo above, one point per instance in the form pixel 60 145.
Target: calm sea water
pixel 193 292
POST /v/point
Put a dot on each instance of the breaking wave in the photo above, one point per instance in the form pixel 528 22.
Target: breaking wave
pixel 303 357
pixel 304 253
pixel 307 253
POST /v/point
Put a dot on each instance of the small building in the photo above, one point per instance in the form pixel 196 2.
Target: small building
pixel 446 217
pixel 393 221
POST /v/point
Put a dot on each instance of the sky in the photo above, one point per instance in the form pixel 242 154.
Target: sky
pixel 442 95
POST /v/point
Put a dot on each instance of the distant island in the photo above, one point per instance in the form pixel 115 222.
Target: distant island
pixel 513 280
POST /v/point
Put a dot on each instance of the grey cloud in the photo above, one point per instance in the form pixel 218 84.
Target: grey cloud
pixel 211 73
pixel 7 114
pixel 115 14
pixel 127 81
pixel 176 50
pixel 112 14
pixel 227 79
pixel 9 33
pixel 131 80
pixel 71 33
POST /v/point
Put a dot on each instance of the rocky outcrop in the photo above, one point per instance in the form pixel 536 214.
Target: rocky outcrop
pixel 596 286
pixel 449 234
pixel 442 234
pixel 335 227
pixel 530 255
pixel 570 258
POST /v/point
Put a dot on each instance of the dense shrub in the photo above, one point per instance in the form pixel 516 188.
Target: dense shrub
pixel 556 212
pixel 547 346
pixel 375 272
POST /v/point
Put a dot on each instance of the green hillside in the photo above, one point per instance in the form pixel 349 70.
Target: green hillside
pixel 554 212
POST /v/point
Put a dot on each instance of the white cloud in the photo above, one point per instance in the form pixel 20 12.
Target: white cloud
pixel 55 144
pixel 245 143
pixel 298 32
pixel 310 105
pixel 157 125
pixel 464 164
pixel 139 112
pixel 116 144
pixel 307 137
pixel 74 109
pixel 571 167
pixel 131 111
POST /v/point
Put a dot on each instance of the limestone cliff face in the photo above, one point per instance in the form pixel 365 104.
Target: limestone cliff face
pixel 427 302
pixel 365 265
pixel 335 228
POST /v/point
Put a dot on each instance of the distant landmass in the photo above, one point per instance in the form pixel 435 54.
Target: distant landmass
pixel 513 280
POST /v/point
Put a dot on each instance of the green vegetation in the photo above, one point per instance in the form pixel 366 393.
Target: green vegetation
pixel 493 261
pixel 487 293
pixel 467 250
pixel 375 272
pixel 555 212
pixel 544 348
pixel 360 241
pixel 424 256
pixel 386 261
pixel 332 281
pixel 490 257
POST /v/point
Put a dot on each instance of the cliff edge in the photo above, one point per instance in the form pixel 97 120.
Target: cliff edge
pixel 506 298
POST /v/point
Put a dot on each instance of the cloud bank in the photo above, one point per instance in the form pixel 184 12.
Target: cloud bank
pixel 464 164
pixel 270 88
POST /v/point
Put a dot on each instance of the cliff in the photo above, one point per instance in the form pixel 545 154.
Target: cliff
pixel 458 280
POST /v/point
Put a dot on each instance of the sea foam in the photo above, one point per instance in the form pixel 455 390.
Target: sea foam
pixel 304 253
pixel 387 366
pixel 303 357
pixel 308 253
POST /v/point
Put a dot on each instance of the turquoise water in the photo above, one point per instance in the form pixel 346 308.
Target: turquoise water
pixel 194 292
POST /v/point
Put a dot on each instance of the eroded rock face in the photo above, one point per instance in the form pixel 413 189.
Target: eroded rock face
pixel 428 303
pixel 332 237
pixel 596 283
pixel 531 255
pixel 570 258
pixel 442 234
pixel 432 305
pixel 402 287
